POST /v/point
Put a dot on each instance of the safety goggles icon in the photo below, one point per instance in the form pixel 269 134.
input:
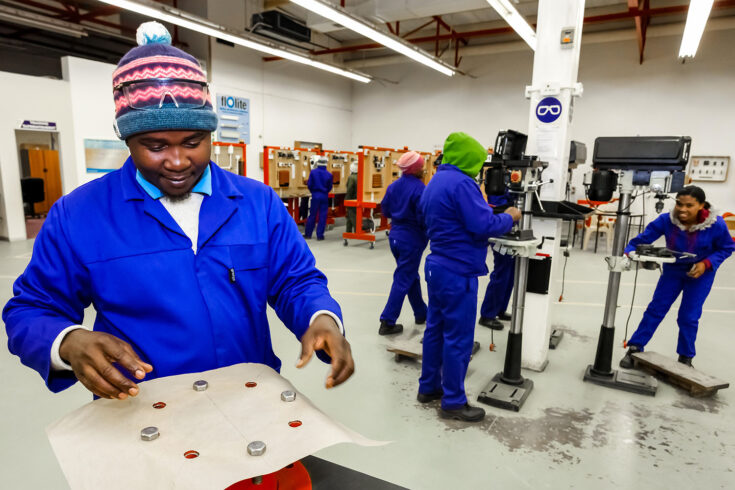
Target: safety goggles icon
pixel 554 110
pixel 155 93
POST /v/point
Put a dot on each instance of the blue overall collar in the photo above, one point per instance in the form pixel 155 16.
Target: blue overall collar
pixel 219 183
pixel 204 186
pixel 449 166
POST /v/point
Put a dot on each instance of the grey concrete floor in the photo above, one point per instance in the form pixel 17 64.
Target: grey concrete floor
pixel 569 434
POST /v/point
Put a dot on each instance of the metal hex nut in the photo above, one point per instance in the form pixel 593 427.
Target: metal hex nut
pixel 288 396
pixel 256 448
pixel 200 385
pixel 149 433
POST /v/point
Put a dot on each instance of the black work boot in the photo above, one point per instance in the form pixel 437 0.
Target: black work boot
pixel 627 361
pixel 389 328
pixel 491 323
pixel 429 397
pixel 505 316
pixel 686 360
pixel 467 413
pixel 420 321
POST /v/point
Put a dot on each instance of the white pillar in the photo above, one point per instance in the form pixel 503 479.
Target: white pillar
pixel 554 85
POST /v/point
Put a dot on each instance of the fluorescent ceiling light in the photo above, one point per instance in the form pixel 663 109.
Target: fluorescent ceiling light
pixel 43 22
pixel 696 20
pixel 515 20
pixel 203 26
pixel 354 23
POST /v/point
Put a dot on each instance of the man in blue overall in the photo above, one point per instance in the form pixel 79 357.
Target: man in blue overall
pixel 497 294
pixel 407 242
pixel 179 257
pixel 320 183
pixel 459 223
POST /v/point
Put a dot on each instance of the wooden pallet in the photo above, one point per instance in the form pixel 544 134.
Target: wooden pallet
pixel 404 352
pixel 698 384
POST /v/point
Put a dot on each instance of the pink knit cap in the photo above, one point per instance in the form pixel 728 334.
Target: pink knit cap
pixel 410 163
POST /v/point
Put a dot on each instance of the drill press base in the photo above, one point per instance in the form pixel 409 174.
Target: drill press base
pixel 627 381
pixel 506 396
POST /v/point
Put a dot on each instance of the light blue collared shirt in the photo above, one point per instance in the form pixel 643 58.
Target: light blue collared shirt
pixel 204 186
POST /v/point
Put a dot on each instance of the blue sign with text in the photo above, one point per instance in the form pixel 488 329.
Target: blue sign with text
pixel 234 119
pixel 548 110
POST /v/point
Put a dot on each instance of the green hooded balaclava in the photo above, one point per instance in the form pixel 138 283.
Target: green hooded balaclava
pixel 464 152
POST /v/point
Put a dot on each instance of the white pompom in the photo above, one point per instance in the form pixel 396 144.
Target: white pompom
pixel 152 33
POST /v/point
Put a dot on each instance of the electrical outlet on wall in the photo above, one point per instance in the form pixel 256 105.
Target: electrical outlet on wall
pixel 709 169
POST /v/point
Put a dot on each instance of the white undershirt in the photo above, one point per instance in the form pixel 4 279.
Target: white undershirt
pixel 186 214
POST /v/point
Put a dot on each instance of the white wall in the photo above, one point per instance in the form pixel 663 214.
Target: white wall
pixel 425 106
pixel 93 110
pixel 288 102
pixel 28 97
pixel 621 97
pixel 663 97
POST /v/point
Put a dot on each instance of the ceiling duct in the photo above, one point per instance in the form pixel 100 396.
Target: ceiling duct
pixel 275 24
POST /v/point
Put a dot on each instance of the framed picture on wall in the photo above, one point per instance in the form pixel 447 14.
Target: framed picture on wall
pixel 102 156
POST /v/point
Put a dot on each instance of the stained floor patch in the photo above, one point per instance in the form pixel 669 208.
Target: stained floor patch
pixel 708 405
pixel 552 433
pixel 572 333
pixel 555 433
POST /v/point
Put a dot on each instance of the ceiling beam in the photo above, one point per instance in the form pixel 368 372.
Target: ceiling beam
pixel 418 28
pixel 634 6
pixel 63 12
pixel 274 4
pixel 100 12
pixel 599 37
pixel 631 13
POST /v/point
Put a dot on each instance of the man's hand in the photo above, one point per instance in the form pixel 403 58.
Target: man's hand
pixel 324 334
pixel 515 213
pixel 92 354
pixel 697 270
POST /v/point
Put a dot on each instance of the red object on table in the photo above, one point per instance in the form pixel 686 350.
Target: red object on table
pixel 292 477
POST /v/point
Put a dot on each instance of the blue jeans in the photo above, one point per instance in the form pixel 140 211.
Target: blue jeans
pixel 449 335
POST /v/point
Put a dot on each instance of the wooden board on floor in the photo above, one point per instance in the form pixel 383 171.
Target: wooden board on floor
pixel 408 350
pixel 696 382
pixel 407 344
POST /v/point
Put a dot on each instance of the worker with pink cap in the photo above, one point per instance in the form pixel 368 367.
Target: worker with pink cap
pixel 407 242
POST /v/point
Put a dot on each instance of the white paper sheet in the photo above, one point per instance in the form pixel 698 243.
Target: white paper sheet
pixel 99 444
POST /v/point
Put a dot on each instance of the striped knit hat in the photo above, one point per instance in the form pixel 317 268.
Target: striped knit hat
pixel 155 58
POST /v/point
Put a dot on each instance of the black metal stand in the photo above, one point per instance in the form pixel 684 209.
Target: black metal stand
pixel 601 371
pixel 509 389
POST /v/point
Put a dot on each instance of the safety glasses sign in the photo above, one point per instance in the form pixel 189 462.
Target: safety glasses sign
pixel 548 110
pixel 234 119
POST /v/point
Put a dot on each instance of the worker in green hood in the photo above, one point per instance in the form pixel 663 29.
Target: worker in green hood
pixel 458 224
pixel 464 152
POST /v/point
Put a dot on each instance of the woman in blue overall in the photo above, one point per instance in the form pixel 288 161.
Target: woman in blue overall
pixel 458 224
pixel 497 294
pixel 320 183
pixel 692 227
pixel 407 242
